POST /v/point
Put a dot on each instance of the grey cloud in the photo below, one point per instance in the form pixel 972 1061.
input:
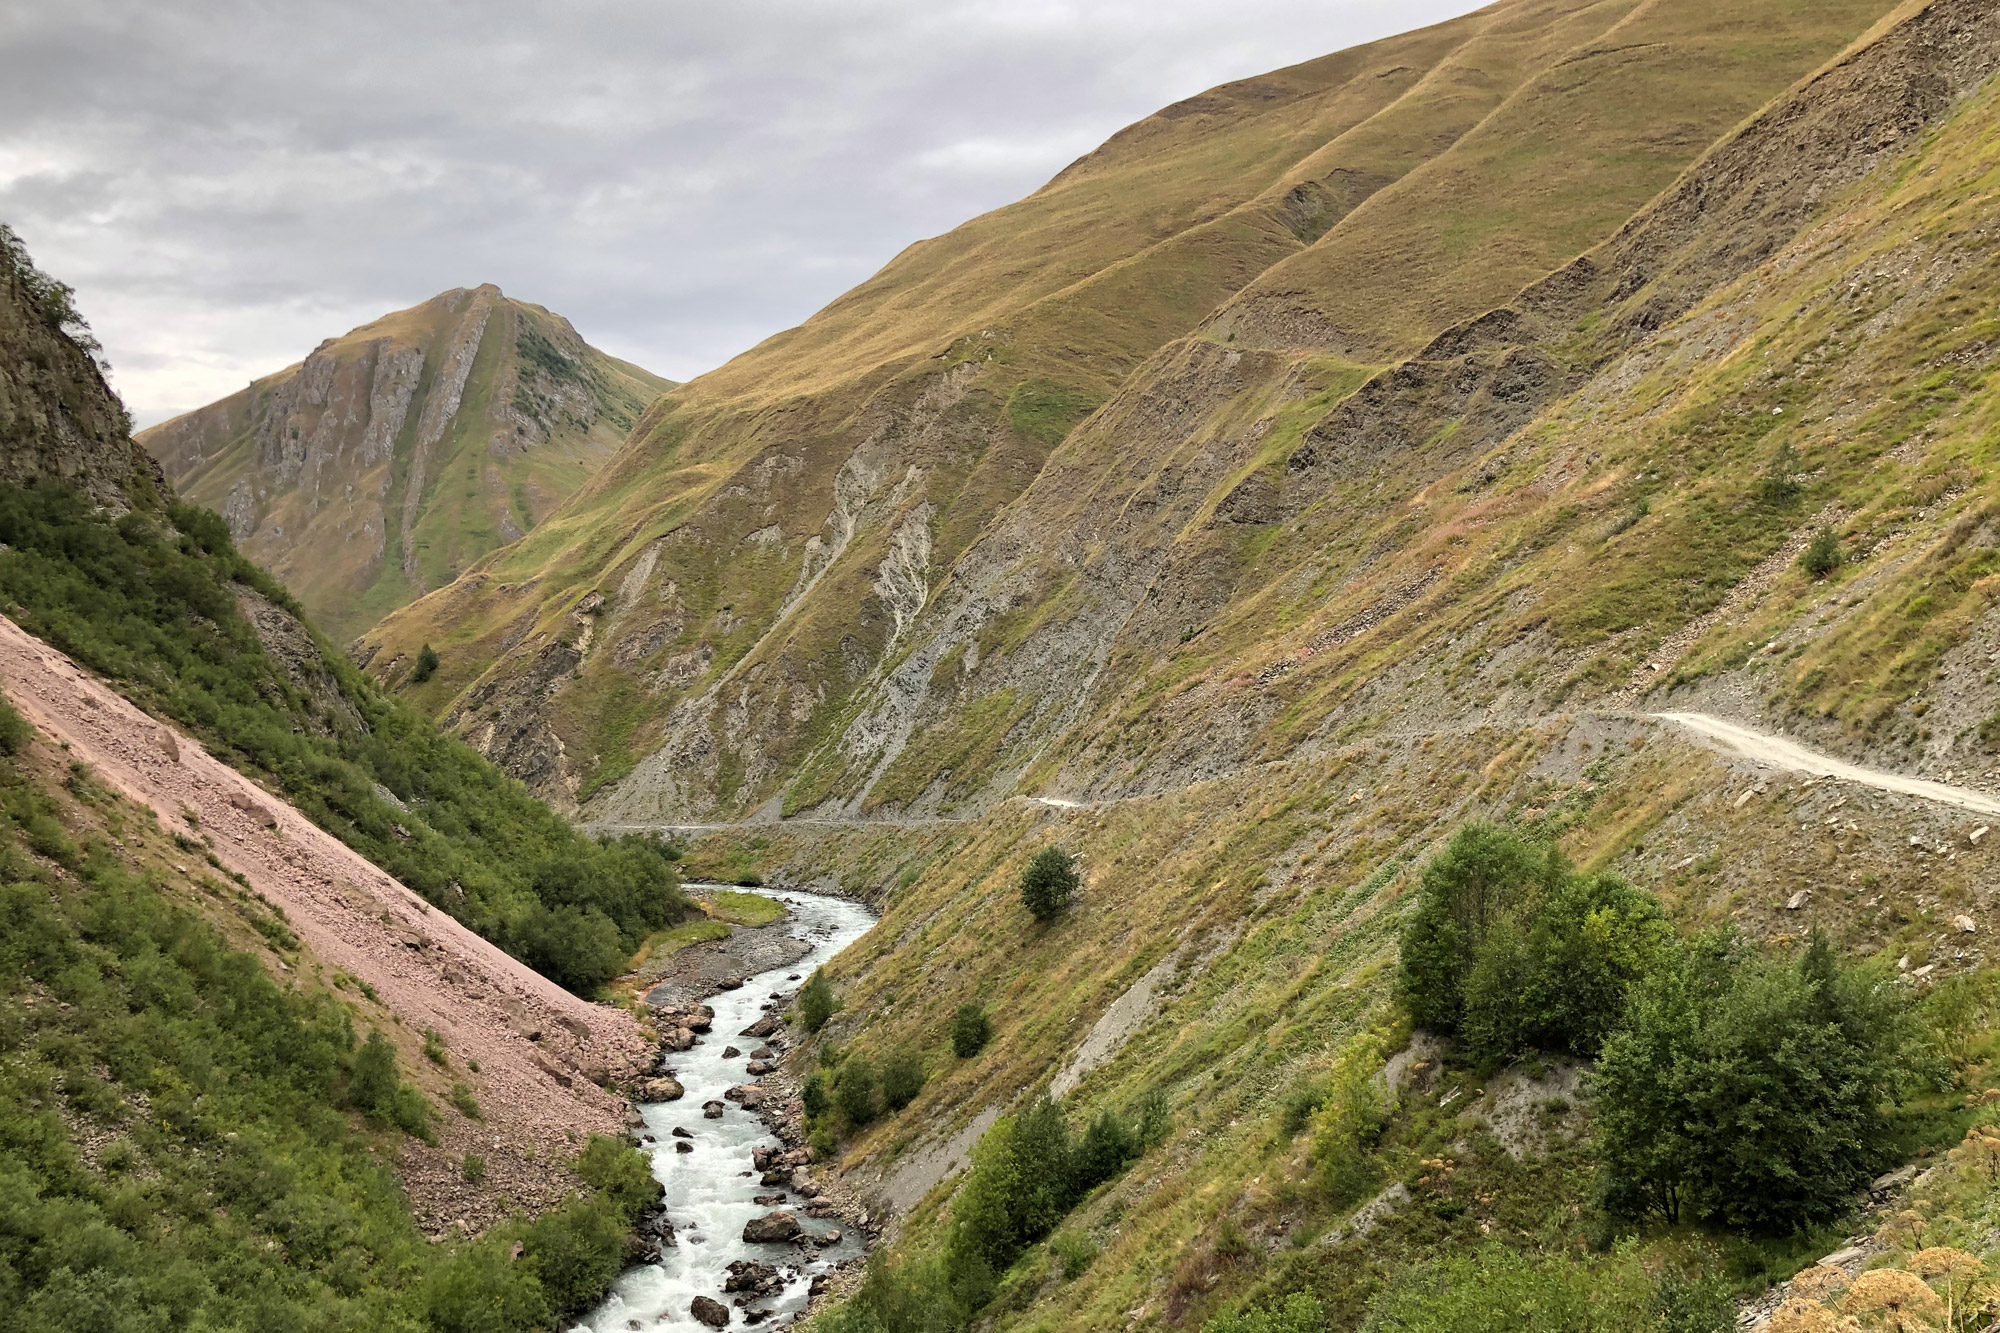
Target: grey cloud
pixel 228 181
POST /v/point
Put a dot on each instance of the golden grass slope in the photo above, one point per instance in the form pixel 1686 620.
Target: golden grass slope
pixel 395 456
pixel 771 547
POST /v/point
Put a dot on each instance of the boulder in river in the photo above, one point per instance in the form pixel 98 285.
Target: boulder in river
pixel 662 1089
pixel 772 1228
pixel 682 1145
pixel 711 1312
pixel 680 1133
pixel 763 1027
pixel 711 1110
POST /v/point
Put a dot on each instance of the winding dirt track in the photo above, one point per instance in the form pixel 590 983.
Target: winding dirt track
pixel 536 1044
pixel 1782 753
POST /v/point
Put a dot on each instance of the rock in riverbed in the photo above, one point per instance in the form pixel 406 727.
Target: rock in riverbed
pixel 772 1228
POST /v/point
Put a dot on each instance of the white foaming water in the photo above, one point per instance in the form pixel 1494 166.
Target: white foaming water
pixel 709 1191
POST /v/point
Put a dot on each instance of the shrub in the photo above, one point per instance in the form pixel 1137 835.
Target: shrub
pixel 1048 883
pixel 426 667
pixel 1299 1313
pixel 854 1090
pixel 1348 1124
pixel 816 1003
pixel 902 1079
pixel 467 1104
pixel 1512 951
pixel 473 1169
pixel 1749 1088
pixel 971 1029
pixel 15 733
pixel 1776 487
pixel 1823 554
pixel 815 1097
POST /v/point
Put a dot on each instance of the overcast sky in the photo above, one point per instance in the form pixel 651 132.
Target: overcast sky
pixel 226 184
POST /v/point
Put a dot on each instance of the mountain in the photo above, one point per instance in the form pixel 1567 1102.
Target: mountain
pixel 1462 437
pixel 871 550
pixel 397 455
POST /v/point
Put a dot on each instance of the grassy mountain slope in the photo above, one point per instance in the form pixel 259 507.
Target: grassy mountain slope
pixel 732 592
pixel 1454 591
pixel 395 456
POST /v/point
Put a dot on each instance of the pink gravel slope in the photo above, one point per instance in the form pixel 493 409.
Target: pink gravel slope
pixel 538 1047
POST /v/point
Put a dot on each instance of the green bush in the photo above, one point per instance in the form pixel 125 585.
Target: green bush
pixel 971 1029
pixel 816 1003
pixel 1776 486
pixel 426 667
pixel 854 1090
pixel 1749 1088
pixel 902 1079
pixel 151 602
pixel 1510 950
pixel 1298 1313
pixel 814 1096
pixel 1823 554
pixel 473 1169
pixel 1027 1173
pixel 15 733
pixel 1048 883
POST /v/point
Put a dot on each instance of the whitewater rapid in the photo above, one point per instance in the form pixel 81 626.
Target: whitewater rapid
pixel 709 1191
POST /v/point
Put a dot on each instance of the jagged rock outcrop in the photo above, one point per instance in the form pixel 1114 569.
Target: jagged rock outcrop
pixel 58 418
pixel 394 457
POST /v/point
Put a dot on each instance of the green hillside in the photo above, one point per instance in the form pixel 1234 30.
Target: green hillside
pixel 1389 480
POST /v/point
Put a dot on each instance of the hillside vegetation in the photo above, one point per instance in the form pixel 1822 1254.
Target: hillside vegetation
pixel 395 456
pixel 188 1142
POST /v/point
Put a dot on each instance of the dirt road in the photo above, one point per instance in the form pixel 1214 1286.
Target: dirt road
pixel 1782 753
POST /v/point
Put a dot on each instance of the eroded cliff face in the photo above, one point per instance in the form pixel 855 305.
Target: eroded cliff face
pixel 876 564
pixel 58 418
pixel 394 457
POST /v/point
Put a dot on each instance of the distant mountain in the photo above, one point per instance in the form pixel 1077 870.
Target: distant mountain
pixel 390 459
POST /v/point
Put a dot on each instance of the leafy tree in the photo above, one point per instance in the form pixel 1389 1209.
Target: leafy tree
pixel 1511 950
pixel 426 667
pixel 971 1029
pixel 1748 1088
pixel 1823 554
pixel 854 1090
pixel 816 1003
pixel 902 1078
pixel 1048 883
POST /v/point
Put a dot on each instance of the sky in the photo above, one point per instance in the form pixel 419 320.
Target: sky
pixel 228 182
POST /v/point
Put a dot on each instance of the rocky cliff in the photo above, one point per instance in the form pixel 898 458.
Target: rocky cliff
pixel 395 456
pixel 57 416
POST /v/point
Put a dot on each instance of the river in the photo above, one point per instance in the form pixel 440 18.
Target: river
pixel 709 1191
